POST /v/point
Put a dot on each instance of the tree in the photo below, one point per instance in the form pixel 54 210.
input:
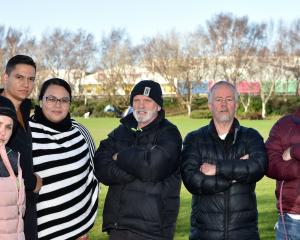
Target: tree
pixel 2 49
pixel 193 67
pixel 291 38
pixel 233 42
pixel 12 42
pixel 118 57
pixel 181 62
pixel 68 55
pixel 269 68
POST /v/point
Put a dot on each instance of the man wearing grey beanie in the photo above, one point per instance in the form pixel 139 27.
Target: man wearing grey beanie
pixel 139 161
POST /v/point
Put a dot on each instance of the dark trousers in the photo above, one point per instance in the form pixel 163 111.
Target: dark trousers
pixel 124 235
pixel 30 218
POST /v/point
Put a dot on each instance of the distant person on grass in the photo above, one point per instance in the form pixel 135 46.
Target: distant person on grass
pixel 139 161
pixel 221 163
pixel 283 147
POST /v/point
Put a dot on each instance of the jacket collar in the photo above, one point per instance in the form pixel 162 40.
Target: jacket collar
pixel 25 108
pixel 232 134
pixel 62 126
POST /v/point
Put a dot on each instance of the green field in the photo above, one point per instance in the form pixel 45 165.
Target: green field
pixel 100 127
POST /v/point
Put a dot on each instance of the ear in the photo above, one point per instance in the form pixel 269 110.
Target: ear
pixel 209 106
pixel 4 79
pixel 40 103
pixel 159 108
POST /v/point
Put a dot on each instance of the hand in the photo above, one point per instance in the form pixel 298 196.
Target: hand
pixel 83 237
pixel 39 183
pixel 115 157
pixel 286 156
pixel 208 169
pixel 245 157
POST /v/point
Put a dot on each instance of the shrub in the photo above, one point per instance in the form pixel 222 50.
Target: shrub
pixel 201 114
pixel 250 115
pixel 79 111
pixel 281 105
pixel 104 114
pixel 277 105
pixel 200 102
pixel 172 106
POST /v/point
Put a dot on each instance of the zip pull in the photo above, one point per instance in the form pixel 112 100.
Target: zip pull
pixel 235 134
pixel 18 183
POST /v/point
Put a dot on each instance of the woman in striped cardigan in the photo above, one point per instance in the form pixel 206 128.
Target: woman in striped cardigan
pixel 63 154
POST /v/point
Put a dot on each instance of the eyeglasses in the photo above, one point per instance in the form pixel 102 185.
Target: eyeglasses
pixel 53 100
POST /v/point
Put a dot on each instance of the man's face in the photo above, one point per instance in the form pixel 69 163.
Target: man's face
pixel 145 110
pixel 19 84
pixel 223 104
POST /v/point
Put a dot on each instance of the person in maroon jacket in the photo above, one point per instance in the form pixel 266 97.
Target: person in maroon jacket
pixel 283 147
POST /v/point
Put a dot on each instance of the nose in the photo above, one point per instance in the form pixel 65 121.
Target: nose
pixel 26 82
pixel 58 101
pixel 223 102
pixel 2 131
pixel 141 104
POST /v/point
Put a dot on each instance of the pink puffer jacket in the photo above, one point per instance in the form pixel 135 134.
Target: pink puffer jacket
pixel 12 202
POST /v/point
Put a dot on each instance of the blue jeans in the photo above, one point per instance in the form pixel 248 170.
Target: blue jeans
pixel 292 227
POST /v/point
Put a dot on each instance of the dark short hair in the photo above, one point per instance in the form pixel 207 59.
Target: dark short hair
pixel 55 81
pixel 19 59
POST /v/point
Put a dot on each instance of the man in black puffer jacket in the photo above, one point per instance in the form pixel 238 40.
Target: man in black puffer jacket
pixel 139 161
pixel 221 164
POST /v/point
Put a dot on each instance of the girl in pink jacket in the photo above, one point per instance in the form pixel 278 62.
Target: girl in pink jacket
pixel 12 201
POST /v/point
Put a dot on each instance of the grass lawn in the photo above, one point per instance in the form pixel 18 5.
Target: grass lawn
pixel 100 127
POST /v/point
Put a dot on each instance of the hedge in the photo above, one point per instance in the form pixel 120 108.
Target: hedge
pixel 277 105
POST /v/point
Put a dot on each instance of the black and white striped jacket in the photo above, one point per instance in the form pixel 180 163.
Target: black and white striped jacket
pixel 68 201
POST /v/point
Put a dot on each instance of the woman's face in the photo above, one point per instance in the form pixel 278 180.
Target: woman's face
pixel 6 127
pixel 55 103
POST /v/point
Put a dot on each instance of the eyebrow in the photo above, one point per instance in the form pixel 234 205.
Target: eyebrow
pixel 50 95
pixel 21 75
pixel 6 124
pixel 225 97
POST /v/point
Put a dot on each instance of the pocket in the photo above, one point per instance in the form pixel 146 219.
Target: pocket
pixel 145 206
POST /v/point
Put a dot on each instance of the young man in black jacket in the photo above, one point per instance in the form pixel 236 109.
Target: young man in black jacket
pixel 139 161
pixel 221 163
pixel 18 83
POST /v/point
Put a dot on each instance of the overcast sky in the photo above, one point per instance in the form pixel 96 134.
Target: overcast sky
pixel 140 18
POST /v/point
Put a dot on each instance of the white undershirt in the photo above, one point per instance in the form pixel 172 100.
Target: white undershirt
pixel 294 216
pixel 223 136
